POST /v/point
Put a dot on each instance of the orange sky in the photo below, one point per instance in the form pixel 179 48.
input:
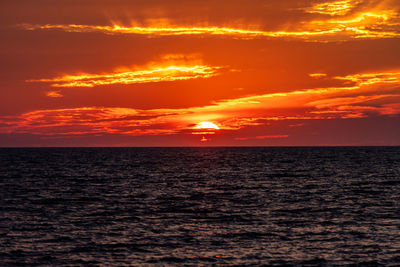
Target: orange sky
pixel 199 73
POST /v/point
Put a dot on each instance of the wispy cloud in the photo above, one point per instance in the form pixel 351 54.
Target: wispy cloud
pixel 368 93
pixel 327 21
pixel 323 30
pixel 372 78
pixel 334 8
pixel 149 75
pixel 261 137
pixel 54 94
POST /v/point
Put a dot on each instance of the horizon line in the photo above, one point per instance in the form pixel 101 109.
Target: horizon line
pixel 300 146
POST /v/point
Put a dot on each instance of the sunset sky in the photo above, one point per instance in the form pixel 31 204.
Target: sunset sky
pixel 199 73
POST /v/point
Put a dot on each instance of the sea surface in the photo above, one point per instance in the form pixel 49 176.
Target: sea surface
pixel 327 206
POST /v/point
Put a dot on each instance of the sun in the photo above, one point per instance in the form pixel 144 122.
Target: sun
pixel 206 125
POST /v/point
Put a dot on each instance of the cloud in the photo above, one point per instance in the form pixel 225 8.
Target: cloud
pixel 261 137
pixel 341 7
pixel 372 78
pixel 323 21
pixel 54 94
pixel 272 136
pixel 369 94
pixel 166 71
pixel 318 75
pixel 355 28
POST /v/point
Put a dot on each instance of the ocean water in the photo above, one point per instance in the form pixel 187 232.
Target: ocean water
pixel 200 206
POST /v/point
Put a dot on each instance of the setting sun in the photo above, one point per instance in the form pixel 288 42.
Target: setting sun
pixel 206 125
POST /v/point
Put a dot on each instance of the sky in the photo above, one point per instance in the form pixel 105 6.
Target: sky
pixel 199 73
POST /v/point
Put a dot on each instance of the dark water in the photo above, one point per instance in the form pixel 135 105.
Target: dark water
pixel 200 206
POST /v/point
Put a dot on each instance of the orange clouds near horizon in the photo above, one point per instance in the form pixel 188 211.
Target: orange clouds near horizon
pixel 229 115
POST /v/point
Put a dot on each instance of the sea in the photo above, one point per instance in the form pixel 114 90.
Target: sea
pixel 200 206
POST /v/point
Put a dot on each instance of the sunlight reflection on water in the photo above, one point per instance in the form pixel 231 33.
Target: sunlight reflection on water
pixel 200 206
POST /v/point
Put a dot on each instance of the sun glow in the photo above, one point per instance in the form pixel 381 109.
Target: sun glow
pixel 206 125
